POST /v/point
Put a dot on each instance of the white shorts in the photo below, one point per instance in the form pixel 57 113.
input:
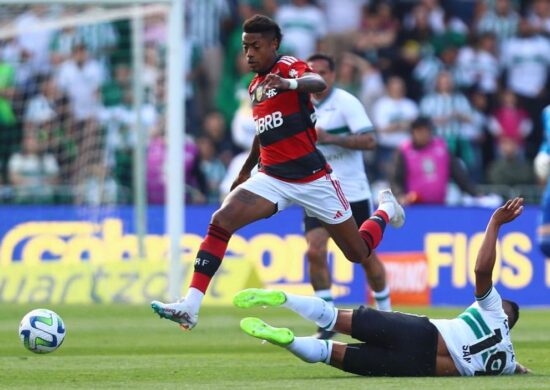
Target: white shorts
pixel 322 198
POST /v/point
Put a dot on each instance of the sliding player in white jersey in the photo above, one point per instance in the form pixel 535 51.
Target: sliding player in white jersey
pixel 477 342
pixel 344 131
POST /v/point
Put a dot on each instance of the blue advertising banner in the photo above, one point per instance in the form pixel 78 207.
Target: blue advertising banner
pixel 450 238
pixel 73 254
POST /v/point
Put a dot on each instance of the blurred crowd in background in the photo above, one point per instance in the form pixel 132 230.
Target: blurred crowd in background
pixel 477 69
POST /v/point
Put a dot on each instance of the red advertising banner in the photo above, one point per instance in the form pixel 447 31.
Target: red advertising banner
pixel 407 275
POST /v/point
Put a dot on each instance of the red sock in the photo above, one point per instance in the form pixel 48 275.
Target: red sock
pixel 373 228
pixel 209 257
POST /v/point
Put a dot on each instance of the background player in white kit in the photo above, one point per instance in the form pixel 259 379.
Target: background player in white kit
pixel 477 342
pixel 344 131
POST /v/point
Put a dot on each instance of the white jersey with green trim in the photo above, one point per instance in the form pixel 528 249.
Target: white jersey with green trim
pixel 342 114
pixel 479 338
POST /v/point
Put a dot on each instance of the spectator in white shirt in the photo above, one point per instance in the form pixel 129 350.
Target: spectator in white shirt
pixel 343 16
pixel 502 22
pixel 539 16
pixel 526 59
pixel 392 115
pixel 449 110
pixel 34 42
pixel 479 65
pixel 428 69
pixel 80 78
pixel 33 173
pixel 343 19
pixel 118 122
pixel 47 116
pixel 302 24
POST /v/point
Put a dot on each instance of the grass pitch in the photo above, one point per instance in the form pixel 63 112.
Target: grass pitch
pixel 112 347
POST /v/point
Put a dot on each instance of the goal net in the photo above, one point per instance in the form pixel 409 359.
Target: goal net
pixel 88 92
pixel 68 114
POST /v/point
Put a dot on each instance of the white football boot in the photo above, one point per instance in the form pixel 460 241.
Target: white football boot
pixel 180 312
pixel 398 219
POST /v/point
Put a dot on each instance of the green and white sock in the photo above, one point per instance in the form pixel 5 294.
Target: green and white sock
pixel 382 299
pixel 311 350
pixel 325 295
pixel 314 309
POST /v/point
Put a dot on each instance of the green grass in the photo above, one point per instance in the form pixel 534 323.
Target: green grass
pixel 127 347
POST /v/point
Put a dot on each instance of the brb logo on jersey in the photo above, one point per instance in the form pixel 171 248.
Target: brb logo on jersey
pixel 268 122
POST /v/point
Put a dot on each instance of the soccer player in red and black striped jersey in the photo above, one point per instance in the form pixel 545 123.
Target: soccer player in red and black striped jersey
pixel 291 169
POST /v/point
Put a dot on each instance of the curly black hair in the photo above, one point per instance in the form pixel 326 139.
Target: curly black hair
pixel 264 25
pixel 514 311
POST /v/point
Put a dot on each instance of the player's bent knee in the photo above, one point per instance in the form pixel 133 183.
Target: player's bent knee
pixel 356 256
pixel 223 218
pixel 316 255
pixel 359 255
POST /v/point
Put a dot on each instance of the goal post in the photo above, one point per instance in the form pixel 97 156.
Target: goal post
pixel 175 215
pixel 134 12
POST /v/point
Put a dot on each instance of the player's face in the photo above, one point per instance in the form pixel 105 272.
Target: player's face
pixel 421 136
pixel 510 313
pixel 260 51
pixel 322 68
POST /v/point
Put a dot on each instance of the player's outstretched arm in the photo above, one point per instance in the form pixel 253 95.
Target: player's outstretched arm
pixel 250 163
pixel 362 141
pixel 487 254
pixel 309 82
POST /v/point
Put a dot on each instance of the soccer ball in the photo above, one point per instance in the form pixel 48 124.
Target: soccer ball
pixel 42 331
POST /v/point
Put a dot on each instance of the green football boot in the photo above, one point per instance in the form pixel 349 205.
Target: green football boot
pixel 252 297
pixel 259 329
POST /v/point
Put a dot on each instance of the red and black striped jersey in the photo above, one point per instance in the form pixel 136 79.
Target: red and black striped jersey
pixel 285 125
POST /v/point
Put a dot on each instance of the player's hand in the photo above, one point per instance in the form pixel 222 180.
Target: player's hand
pixel 275 81
pixel 522 370
pixel 408 198
pixel 507 213
pixel 323 137
pixel 240 179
